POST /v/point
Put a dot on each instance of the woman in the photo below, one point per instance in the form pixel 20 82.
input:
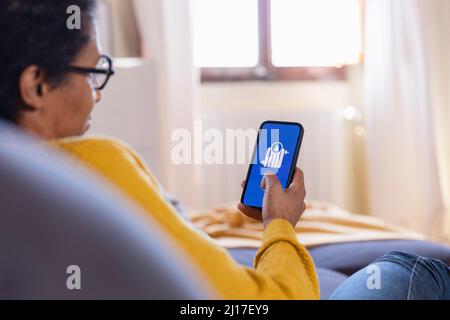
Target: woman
pixel 50 81
pixel 52 77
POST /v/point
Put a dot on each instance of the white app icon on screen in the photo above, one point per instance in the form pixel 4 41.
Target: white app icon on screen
pixel 274 156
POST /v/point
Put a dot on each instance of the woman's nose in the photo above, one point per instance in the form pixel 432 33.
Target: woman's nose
pixel 98 96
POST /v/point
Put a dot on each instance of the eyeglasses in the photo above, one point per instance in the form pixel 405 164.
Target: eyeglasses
pixel 98 76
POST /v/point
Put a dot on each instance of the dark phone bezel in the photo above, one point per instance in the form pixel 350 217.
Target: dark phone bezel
pixel 293 165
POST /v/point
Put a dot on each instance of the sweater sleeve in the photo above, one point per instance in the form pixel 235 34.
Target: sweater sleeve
pixel 283 267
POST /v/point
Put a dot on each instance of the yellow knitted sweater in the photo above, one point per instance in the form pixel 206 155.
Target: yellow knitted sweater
pixel 283 268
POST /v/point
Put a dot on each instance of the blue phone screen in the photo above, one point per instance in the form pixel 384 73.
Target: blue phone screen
pixel 276 150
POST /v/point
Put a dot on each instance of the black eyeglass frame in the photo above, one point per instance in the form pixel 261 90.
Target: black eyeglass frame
pixel 110 72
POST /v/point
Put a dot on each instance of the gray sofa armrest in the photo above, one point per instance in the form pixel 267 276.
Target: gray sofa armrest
pixel 52 218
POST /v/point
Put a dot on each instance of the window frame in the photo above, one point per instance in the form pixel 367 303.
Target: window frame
pixel 265 70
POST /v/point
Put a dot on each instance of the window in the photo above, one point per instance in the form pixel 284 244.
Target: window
pixel 226 37
pixel 276 39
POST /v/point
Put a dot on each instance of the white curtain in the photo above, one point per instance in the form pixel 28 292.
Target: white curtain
pixel 165 27
pixel 408 112
pixel 118 28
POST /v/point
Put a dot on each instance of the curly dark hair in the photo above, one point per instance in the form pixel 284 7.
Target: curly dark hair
pixel 35 33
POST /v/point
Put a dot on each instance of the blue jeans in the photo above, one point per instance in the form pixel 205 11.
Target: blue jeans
pixel 398 276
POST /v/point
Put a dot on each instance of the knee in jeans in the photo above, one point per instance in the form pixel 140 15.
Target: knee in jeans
pixel 400 257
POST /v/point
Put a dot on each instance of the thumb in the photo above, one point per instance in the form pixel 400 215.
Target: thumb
pixel 269 181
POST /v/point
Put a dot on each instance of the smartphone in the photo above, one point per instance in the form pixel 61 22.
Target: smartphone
pixel 276 151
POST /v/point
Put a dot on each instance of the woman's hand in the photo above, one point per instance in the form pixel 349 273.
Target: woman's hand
pixel 279 203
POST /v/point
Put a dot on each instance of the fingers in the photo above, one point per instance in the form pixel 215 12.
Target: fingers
pixel 250 212
pixel 298 182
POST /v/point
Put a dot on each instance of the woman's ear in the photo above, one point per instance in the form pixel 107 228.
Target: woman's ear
pixel 32 87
